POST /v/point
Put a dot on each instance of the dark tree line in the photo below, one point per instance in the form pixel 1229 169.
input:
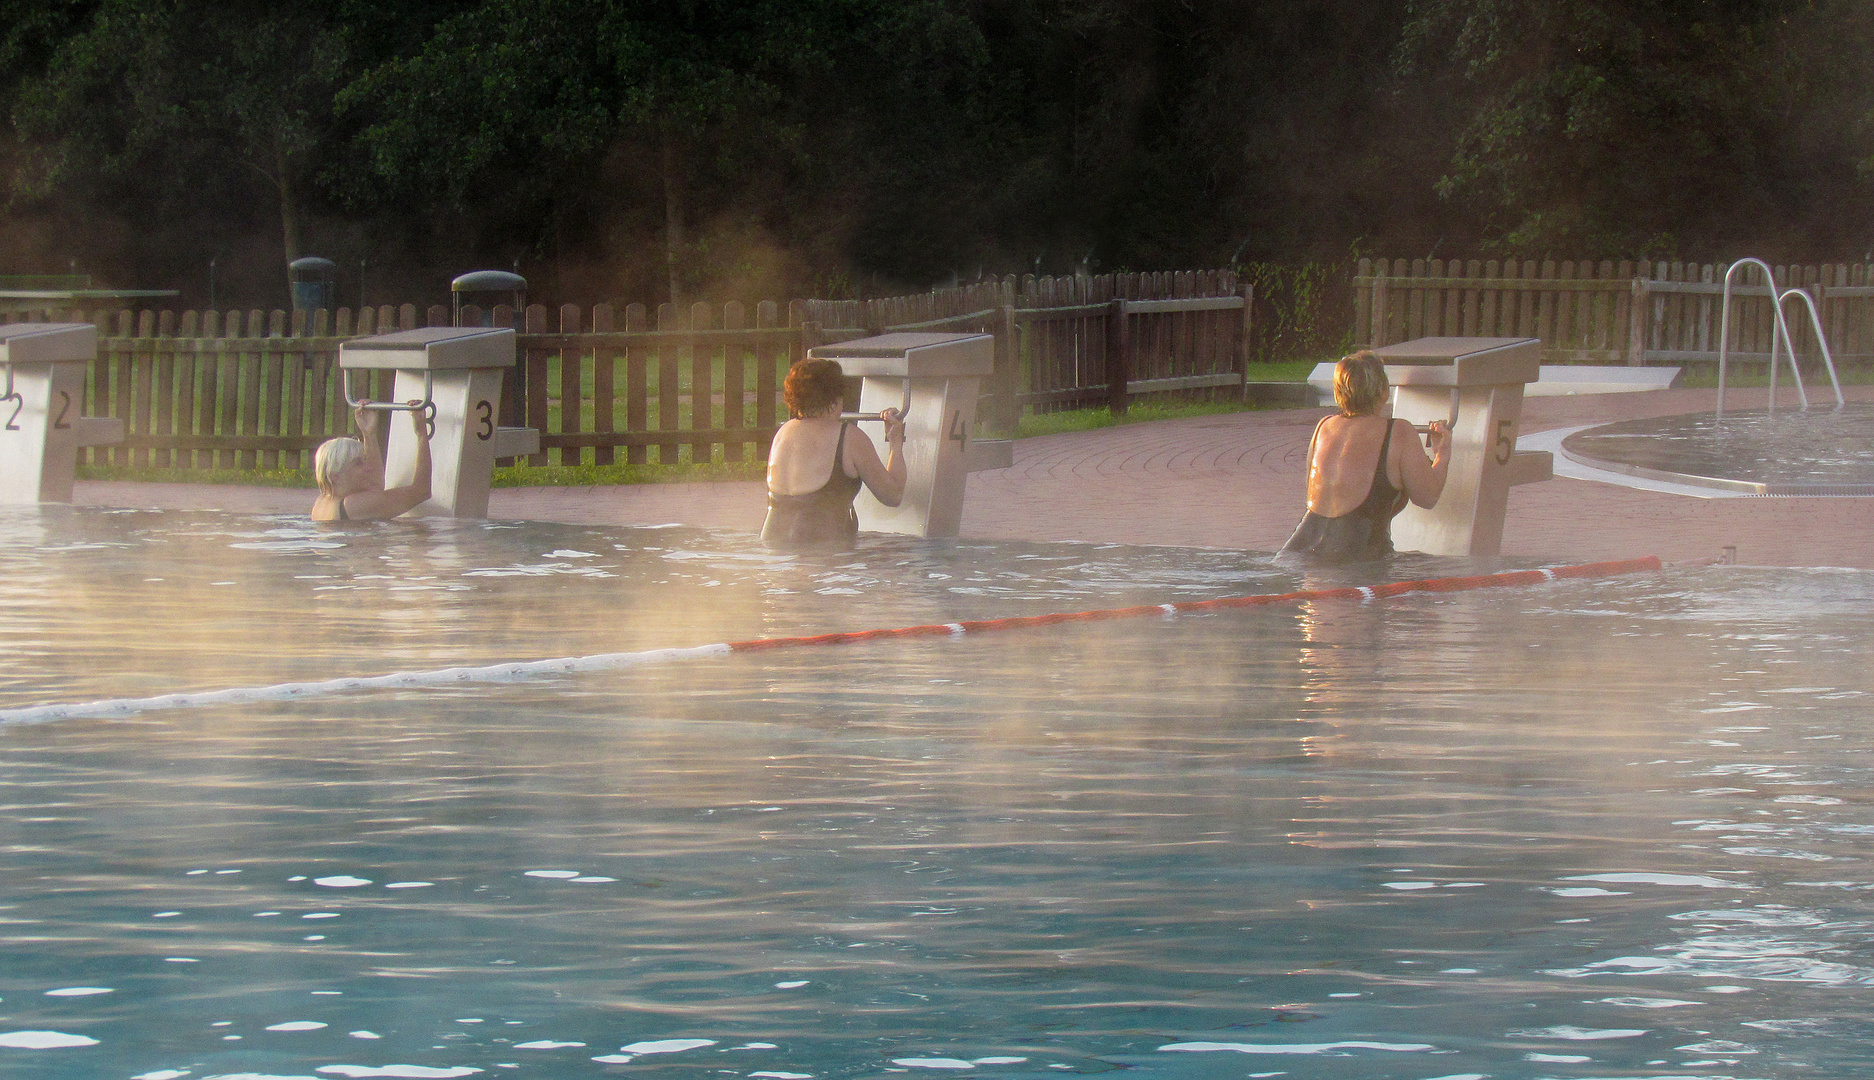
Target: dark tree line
pixel 645 149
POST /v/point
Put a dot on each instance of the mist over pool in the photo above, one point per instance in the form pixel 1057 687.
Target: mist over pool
pixel 1596 828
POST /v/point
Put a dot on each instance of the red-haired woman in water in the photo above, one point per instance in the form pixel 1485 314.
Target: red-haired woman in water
pixel 818 463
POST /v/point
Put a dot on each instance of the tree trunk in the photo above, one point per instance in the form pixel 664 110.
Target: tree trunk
pixel 289 216
pixel 673 215
pixel 289 210
pixel 289 223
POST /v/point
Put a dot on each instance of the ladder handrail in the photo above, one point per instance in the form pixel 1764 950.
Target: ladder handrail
pixel 1779 336
pixel 1828 360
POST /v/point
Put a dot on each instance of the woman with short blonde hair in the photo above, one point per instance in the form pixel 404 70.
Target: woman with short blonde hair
pixel 1363 466
pixel 1360 384
pixel 350 473
pixel 332 457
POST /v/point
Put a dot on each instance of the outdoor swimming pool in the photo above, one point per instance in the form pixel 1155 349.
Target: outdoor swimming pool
pixel 1786 451
pixel 1602 828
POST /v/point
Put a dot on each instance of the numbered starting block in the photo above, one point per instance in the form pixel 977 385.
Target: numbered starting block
pixel 933 379
pixel 40 429
pixel 1475 385
pixel 454 375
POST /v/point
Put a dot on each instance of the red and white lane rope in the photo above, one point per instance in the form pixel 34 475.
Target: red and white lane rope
pixel 569 665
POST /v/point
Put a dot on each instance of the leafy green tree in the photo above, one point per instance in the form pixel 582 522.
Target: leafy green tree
pixel 182 99
pixel 892 143
pixel 1632 125
pixel 1155 133
pixel 30 35
pixel 524 99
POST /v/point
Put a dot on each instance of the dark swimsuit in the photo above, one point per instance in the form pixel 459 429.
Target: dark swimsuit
pixel 1365 532
pixel 819 520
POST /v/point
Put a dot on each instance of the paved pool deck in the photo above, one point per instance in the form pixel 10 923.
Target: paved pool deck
pixel 1232 481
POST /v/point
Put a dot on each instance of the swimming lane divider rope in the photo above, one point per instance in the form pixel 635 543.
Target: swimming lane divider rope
pixel 569 665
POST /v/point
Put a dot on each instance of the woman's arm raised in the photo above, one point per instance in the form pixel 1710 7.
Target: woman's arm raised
pixel 885 479
pixel 1422 480
pixel 391 502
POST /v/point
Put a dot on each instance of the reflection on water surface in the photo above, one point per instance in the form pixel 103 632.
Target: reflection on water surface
pixel 1787 448
pixel 1605 828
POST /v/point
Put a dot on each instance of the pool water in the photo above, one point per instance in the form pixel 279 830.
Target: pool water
pixel 1599 828
pixel 1766 451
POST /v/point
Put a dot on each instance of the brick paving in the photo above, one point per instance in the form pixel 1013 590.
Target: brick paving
pixel 1232 481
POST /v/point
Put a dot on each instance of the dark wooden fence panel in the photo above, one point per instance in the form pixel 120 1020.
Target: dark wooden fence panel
pixel 1612 313
pixel 1188 331
pixel 702 386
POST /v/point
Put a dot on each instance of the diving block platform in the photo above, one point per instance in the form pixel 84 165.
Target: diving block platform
pixel 1552 380
pixel 40 429
pixel 934 380
pixel 1476 386
pixel 454 373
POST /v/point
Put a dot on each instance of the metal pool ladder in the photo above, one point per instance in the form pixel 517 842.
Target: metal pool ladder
pixel 1779 337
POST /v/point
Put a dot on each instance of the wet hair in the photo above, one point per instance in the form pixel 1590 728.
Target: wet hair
pixel 1360 384
pixel 813 386
pixel 333 455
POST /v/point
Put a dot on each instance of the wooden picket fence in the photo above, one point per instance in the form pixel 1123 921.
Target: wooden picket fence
pixel 1611 313
pixel 1065 342
pixel 261 390
pixel 690 388
pixel 233 390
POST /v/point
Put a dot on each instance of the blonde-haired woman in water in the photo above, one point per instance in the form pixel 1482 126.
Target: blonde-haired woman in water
pixel 1362 467
pixel 818 462
pixel 350 473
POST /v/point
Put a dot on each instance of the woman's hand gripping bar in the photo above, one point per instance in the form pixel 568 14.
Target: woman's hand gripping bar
pixel 426 407
pixel 904 409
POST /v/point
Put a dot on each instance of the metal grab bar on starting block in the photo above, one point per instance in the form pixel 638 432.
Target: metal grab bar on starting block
pixel 904 409
pixel 1425 430
pixel 426 407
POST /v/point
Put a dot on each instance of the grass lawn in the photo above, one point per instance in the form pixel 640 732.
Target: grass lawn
pixel 1814 377
pixel 507 476
pixel 1295 371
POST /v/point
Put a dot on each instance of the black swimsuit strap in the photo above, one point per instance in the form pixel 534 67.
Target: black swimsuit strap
pixel 1382 498
pixel 1385 443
